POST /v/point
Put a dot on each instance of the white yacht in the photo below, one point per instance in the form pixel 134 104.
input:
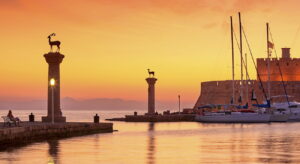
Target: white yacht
pixel 234 117
pixel 276 115
pixel 292 109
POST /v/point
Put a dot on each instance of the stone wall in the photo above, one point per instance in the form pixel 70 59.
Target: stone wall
pixel 32 132
pixel 220 92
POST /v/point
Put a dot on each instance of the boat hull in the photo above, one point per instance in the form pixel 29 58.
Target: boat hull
pixel 294 117
pixel 232 118
pixel 279 117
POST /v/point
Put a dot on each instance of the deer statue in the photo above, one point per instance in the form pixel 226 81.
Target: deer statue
pixel 150 73
pixel 53 43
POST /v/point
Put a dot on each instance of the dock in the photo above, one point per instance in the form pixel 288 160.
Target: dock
pixel 160 118
pixel 29 132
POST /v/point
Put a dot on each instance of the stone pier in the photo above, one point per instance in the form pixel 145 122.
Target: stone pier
pixel 151 94
pixel 160 118
pixel 54 59
pixel 37 131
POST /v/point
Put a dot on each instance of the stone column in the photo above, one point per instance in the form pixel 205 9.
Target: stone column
pixel 151 94
pixel 54 59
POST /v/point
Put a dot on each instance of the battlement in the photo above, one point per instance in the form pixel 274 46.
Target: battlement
pixel 225 83
pixel 280 59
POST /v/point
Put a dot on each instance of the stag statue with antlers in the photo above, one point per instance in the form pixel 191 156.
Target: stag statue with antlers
pixel 54 43
pixel 150 73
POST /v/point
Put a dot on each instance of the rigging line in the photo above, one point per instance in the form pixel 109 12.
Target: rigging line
pixel 296 36
pixel 243 58
pixel 248 76
pixel 244 64
pixel 248 45
pixel 278 64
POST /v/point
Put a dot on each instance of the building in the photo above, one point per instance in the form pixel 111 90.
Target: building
pixel 220 92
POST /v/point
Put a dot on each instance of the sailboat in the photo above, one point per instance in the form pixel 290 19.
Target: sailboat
pixel 276 115
pixel 240 116
pixel 281 112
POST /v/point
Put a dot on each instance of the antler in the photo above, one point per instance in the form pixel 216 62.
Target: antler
pixel 53 34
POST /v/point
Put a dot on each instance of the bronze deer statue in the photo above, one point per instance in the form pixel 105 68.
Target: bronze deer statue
pixel 150 73
pixel 53 43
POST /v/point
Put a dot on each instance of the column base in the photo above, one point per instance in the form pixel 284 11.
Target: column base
pixel 56 119
pixel 150 114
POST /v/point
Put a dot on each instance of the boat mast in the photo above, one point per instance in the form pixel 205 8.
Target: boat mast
pixel 268 63
pixel 241 53
pixel 232 51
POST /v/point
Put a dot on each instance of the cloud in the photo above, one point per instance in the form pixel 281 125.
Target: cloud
pixel 89 12
pixel 250 5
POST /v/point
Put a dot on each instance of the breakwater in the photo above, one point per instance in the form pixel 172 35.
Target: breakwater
pixel 34 132
pixel 160 118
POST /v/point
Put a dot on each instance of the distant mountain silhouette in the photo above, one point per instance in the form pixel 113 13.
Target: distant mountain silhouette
pixel 26 104
pixel 103 103
pixel 96 103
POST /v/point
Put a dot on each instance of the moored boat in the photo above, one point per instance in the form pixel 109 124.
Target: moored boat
pixel 234 117
pixel 276 115
pixel 292 109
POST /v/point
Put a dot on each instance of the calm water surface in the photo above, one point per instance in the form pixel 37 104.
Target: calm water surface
pixel 182 143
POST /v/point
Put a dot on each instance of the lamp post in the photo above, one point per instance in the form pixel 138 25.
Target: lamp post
pixel 52 84
pixel 179 104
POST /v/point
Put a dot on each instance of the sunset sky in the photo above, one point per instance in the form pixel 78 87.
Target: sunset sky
pixel 109 44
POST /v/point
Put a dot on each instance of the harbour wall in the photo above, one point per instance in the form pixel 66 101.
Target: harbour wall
pixel 220 92
pixel 160 118
pixel 34 132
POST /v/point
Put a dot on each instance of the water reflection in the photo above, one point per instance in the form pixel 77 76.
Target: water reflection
pixel 151 144
pixel 96 146
pixel 278 149
pixel 53 151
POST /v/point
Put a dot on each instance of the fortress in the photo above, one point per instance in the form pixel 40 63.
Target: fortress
pixel 220 92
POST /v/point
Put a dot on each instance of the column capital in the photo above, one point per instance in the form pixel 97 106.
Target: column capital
pixel 54 57
pixel 151 80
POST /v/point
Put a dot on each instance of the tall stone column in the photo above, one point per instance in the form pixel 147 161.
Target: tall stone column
pixel 54 59
pixel 151 94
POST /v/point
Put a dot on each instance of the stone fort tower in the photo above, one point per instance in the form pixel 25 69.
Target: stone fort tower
pixel 289 67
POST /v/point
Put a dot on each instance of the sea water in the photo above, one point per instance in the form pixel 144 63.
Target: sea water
pixel 162 143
